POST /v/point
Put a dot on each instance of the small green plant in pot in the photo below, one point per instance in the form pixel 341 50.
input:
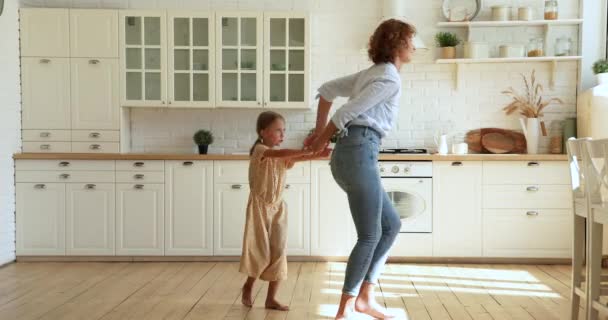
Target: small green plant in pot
pixel 447 41
pixel 600 68
pixel 203 138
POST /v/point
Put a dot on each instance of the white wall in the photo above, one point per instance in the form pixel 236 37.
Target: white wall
pixel 339 30
pixel 10 125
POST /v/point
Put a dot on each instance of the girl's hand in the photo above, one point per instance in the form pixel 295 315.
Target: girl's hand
pixel 309 140
pixel 319 145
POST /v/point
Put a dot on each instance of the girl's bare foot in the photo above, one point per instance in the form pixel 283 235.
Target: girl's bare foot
pixel 275 305
pixel 246 299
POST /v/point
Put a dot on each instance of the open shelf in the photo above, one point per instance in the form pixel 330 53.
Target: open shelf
pixel 509 60
pixel 481 24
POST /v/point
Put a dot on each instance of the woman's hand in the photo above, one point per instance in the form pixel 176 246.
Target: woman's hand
pixel 319 145
pixel 309 140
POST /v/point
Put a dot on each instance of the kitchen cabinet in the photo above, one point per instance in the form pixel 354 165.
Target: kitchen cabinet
pixel 90 219
pixel 239 59
pixel 286 60
pixel 93 33
pixel 44 32
pixel 45 85
pixel 189 208
pixel 297 200
pixel 230 208
pixel 40 219
pixel 94 91
pixel 191 39
pixel 457 218
pixel 143 49
pixel 332 230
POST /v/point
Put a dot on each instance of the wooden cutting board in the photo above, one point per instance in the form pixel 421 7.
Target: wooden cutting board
pixel 474 137
pixel 497 142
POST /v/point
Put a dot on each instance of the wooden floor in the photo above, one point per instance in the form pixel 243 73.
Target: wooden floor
pixel 191 290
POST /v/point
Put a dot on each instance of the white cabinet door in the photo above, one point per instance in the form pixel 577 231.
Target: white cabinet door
pixel 94 91
pixel 143 49
pixel 45 84
pixel 191 79
pixel 286 60
pixel 93 33
pixel 332 229
pixel 90 219
pixel 189 208
pixel 230 205
pixel 139 219
pixel 239 59
pixel 40 220
pixel 457 208
pixel 44 32
pixel 297 199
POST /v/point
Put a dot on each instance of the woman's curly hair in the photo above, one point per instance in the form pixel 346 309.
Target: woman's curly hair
pixel 390 36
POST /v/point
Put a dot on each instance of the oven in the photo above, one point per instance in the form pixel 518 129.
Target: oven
pixel 409 185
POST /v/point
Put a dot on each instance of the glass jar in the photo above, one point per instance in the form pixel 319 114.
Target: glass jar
pixel 536 47
pixel 550 9
pixel 563 47
pixel 556 137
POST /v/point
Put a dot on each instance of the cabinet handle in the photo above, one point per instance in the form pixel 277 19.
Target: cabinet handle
pixel 138 164
pixel 456 164
pixel 533 164
pixel 532 188
pixel 288 186
pixel 138 176
pixel 45 134
pixel 40 186
pixel 45 60
pixel 94 147
pixel 94 135
pixel 89 186
pixel 237 186
pixel 138 186
pixel 45 147
pixel 64 164
pixel 265 103
pixel 188 163
pixel 64 176
pixel 532 213
pixel 259 103
pixel 163 102
pixel 93 61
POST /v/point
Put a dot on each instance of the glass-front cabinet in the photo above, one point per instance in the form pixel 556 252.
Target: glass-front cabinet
pixel 239 58
pixel 143 58
pixel 286 65
pixel 191 80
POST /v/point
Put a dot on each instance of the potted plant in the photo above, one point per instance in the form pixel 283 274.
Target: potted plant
pixel 203 138
pixel 600 68
pixel 530 105
pixel 447 41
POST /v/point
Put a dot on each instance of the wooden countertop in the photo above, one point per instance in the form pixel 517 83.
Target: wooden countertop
pixel 386 157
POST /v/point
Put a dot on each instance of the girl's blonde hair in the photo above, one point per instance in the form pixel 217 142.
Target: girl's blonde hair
pixel 265 119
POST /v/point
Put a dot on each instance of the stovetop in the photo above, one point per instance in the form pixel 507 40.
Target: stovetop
pixel 405 151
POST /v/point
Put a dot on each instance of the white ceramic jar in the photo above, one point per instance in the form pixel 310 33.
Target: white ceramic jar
pixel 476 50
pixel 511 51
pixel 524 13
pixel 501 13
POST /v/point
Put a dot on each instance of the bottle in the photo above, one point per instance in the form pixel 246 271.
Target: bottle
pixel 550 9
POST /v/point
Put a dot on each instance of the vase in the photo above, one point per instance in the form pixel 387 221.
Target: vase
pixel 531 129
pixel 203 148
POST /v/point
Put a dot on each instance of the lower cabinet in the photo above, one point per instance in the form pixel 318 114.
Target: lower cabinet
pixel 40 219
pixel 230 205
pixel 90 219
pixel 139 219
pixel 297 200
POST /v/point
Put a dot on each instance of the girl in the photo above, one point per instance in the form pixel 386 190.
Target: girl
pixel 364 120
pixel 265 236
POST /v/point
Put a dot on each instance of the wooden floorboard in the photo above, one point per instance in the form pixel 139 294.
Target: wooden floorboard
pixel 212 290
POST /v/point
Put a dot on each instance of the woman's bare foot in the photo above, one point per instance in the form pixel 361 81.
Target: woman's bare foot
pixel 346 306
pixel 366 303
pixel 275 305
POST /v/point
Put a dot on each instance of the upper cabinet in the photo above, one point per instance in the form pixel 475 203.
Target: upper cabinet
pixel 143 48
pixel 286 60
pixel 191 59
pixel 93 33
pixel 45 32
pixel 239 57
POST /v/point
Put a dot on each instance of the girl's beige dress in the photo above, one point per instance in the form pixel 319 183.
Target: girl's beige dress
pixel 265 235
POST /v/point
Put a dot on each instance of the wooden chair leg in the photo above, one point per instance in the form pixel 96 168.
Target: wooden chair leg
pixel 578 253
pixel 594 268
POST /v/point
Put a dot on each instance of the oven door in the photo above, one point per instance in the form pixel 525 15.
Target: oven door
pixel 413 200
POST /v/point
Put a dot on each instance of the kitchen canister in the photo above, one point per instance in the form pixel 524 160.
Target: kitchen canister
pixel 476 50
pixel 511 51
pixel 501 13
pixel 569 128
pixel 524 13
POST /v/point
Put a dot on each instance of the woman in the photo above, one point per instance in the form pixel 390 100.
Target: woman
pixel 363 121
